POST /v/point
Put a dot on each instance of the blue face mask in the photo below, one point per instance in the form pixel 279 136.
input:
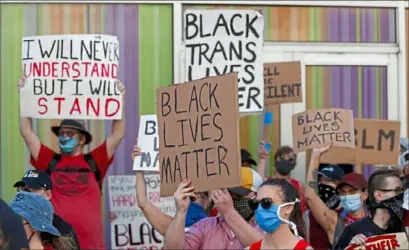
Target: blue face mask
pixel 267 219
pixel 67 144
pixel 402 161
pixel 351 202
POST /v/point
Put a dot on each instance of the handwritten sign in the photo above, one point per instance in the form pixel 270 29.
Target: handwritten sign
pixel 316 128
pixel 376 142
pixel 70 76
pixel 131 230
pixel 199 134
pixel 149 142
pixel 282 83
pixel 223 41
pixel 386 242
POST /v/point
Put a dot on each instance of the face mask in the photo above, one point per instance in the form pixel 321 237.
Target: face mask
pixel 284 167
pixel 67 144
pixel 402 160
pixel 328 195
pixel 351 202
pixel 394 205
pixel 243 208
pixel 269 219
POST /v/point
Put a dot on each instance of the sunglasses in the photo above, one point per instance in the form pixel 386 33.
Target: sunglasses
pixel 265 203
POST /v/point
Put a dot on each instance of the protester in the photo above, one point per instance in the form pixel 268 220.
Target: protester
pixel 385 202
pixel 222 232
pixel 12 235
pixel 39 182
pixel 156 217
pixel 37 216
pixel 404 149
pixel 324 209
pixel 77 177
pixel 285 161
pixel 278 202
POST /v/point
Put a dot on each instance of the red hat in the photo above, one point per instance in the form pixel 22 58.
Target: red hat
pixel 354 180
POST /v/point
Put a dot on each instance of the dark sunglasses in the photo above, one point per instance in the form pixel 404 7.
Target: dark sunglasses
pixel 265 203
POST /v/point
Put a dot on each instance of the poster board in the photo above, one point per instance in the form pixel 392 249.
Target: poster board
pixel 377 142
pixel 315 128
pixel 199 134
pixel 282 83
pixel 221 41
pixel 70 76
pixel 131 230
pixel 148 141
pixel 385 241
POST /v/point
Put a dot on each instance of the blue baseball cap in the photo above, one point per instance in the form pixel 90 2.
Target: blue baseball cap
pixel 332 172
pixel 36 210
pixel 35 179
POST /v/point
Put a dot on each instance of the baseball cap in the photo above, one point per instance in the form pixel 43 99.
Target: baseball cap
pixel 250 182
pixel 332 172
pixel 246 157
pixel 354 180
pixel 35 179
pixel 36 210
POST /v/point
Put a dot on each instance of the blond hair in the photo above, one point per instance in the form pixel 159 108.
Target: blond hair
pixel 59 242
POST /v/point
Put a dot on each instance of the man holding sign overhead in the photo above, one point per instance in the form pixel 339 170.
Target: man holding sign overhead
pixel 76 176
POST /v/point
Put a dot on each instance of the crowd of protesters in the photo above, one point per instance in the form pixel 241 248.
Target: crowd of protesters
pixel 58 205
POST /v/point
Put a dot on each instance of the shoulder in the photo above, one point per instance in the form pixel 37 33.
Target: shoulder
pixel 256 245
pixel 302 244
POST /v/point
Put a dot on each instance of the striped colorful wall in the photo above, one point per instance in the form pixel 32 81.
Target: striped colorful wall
pixel 407 60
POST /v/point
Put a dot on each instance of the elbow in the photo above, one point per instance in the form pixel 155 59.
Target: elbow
pixel 309 195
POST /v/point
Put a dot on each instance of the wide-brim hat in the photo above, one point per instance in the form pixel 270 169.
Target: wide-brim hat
pixel 74 124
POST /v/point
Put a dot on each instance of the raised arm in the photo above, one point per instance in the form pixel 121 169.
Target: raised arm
pixel 118 126
pixel 325 217
pixel 261 167
pixel 26 130
pixel 242 230
pixel 175 236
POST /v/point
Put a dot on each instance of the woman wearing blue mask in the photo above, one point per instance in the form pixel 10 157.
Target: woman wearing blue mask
pixel 278 212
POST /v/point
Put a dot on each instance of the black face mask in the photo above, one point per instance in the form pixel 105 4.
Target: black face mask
pixel 284 167
pixel 329 196
pixel 243 208
pixel 395 209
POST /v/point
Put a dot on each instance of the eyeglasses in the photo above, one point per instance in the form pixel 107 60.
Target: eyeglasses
pixel 69 133
pixel 397 191
pixel 265 203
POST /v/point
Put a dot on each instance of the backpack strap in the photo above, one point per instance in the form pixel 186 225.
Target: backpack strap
pixel 53 163
pixel 93 165
pixel 339 228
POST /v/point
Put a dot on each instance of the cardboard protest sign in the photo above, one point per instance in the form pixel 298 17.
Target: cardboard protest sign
pixel 222 41
pixel 376 142
pixel 282 83
pixel 131 230
pixel 316 128
pixel 70 76
pixel 148 141
pixel 385 242
pixel 199 134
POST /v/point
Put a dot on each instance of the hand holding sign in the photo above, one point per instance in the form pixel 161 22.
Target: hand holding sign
pixel 223 201
pixel 384 241
pixel 183 194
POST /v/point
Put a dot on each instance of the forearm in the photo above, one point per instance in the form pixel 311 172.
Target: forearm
pixel 157 218
pixel 312 175
pixel 261 168
pixel 175 236
pixel 242 230
pixel 118 126
pixel 26 126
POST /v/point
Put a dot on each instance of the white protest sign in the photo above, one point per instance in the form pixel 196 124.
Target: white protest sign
pixel 223 41
pixel 70 76
pixel 385 241
pixel 131 230
pixel 148 141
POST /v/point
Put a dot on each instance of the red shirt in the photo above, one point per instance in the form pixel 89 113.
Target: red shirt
pixel 76 195
pixel 301 245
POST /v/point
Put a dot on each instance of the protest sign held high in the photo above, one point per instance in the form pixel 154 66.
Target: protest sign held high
pixel 223 41
pixel 199 134
pixel 377 142
pixel 384 242
pixel 131 230
pixel 282 83
pixel 316 128
pixel 70 76
pixel 149 141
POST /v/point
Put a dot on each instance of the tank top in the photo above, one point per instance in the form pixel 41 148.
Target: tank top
pixel 318 236
pixel 301 245
pixel 297 186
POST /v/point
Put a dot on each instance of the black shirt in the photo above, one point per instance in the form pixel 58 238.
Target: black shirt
pixel 65 229
pixel 363 226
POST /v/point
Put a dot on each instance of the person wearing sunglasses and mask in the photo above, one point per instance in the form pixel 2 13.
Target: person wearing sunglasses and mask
pixel 278 213
pixel 322 199
pixel 385 200
pixel 221 232
pixel 39 182
pixel 285 161
pixel 37 215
